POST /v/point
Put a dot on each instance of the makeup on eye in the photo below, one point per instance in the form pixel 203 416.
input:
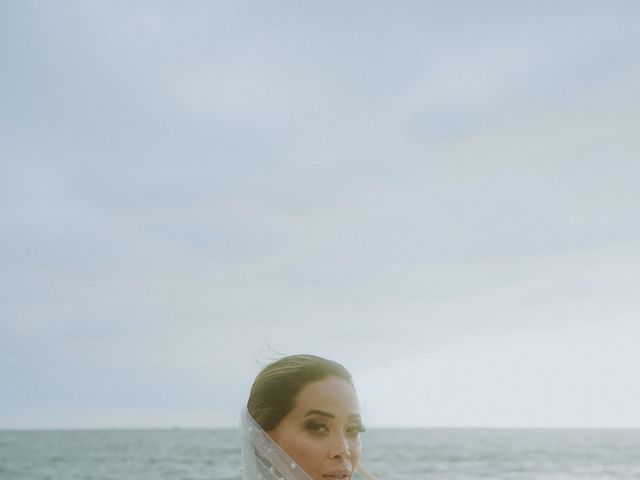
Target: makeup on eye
pixel 356 429
pixel 316 425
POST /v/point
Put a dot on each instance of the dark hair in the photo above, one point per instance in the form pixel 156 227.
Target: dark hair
pixel 276 386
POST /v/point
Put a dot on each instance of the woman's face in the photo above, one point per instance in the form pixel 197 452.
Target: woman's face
pixel 322 432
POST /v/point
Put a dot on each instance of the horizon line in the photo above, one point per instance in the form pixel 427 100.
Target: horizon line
pixel 375 427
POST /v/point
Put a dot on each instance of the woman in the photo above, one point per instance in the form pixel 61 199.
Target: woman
pixel 302 422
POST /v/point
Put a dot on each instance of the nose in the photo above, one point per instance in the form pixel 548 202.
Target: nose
pixel 340 448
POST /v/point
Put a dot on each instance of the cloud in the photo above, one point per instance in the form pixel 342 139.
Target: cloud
pixel 183 186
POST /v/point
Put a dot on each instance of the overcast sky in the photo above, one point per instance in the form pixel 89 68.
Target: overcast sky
pixel 443 196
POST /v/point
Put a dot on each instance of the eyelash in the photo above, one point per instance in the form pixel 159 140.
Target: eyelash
pixel 320 427
pixel 316 426
pixel 356 429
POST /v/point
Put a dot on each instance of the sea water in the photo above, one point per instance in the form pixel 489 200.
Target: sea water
pixel 392 454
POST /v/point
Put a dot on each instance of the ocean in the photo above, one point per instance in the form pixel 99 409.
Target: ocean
pixel 392 454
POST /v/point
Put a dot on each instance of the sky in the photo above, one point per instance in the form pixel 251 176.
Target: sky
pixel 442 196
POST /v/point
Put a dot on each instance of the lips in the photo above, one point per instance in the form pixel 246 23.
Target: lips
pixel 341 474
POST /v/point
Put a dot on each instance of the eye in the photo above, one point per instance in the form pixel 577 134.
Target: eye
pixel 317 426
pixel 355 429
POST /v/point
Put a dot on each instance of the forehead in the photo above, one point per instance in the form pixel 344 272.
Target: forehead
pixel 332 394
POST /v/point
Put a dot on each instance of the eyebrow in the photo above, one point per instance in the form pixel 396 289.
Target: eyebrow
pixel 353 416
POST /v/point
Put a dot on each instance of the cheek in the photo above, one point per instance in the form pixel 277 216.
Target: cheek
pixel 356 448
pixel 306 452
